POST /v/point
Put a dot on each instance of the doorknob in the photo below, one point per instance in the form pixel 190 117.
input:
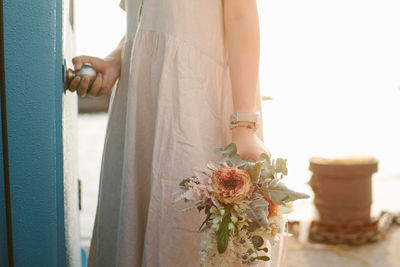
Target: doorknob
pixel 69 74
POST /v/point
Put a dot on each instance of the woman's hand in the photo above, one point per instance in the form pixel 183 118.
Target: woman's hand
pixel 108 71
pixel 249 145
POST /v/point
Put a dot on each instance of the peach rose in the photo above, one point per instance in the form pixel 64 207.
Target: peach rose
pixel 272 207
pixel 232 184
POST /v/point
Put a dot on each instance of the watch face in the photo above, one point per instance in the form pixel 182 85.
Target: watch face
pixel 254 117
pixel 235 117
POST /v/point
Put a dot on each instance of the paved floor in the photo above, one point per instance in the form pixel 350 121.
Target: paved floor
pixel 385 253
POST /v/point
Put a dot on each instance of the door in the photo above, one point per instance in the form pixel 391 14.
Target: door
pixel 70 146
pixel 39 218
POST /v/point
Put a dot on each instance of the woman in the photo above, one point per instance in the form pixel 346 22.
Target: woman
pixel 170 109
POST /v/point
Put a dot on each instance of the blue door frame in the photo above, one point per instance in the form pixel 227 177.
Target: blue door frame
pixel 33 105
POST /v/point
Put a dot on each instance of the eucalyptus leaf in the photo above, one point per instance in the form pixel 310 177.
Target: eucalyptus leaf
pixel 254 170
pixel 242 164
pixel 211 166
pixel 224 159
pixel 277 191
pixel 267 173
pixel 265 157
pixel 257 241
pixel 236 159
pixel 226 151
pixel 230 149
pixel 263 249
pixel 258 210
pixel 263 258
pixel 218 151
pixel 229 155
pixel 281 166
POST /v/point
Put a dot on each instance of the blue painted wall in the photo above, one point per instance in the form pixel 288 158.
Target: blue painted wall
pixel 33 64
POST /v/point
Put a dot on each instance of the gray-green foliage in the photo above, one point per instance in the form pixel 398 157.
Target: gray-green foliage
pixel 277 191
pixel 265 173
pixel 228 155
pixel 259 170
pixel 258 210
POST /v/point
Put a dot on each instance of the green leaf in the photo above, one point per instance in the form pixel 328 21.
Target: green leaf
pixel 264 157
pixel 267 173
pixel 258 210
pixel 263 258
pixel 281 166
pixel 218 151
pixel 254 170
pixel 222 160
pixel 229 155
pixel 226 151
pixel 277 191
pixel 223 233
pixel 236 159
pixel 230 149
pixel 257 241
pixel 263 249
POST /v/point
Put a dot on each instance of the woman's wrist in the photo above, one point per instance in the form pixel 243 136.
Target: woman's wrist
pixel 242 131
pixel 114 61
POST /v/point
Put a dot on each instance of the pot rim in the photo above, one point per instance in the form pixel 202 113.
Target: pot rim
pixel 343 166
pixel 350 160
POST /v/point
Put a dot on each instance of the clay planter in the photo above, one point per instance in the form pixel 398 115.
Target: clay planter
pixel 342 189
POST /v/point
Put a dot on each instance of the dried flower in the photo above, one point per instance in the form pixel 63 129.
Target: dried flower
pixel 232 184
pixel 272 207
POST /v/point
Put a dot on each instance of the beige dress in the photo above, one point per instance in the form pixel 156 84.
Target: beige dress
pixel 169 111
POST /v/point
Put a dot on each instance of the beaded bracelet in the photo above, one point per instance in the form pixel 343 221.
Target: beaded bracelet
pixel 250 125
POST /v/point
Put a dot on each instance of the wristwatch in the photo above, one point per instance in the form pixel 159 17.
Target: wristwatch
pixel 237 117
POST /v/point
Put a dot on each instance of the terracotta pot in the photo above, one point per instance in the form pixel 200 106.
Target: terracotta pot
pixel 342 189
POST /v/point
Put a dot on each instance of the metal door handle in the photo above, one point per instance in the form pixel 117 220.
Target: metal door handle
pixel 69 74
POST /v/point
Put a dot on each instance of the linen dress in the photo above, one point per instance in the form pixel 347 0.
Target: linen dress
pixel 169 110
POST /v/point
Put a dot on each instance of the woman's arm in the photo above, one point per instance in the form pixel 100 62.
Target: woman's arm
pixel 108 70
pixel 242 35
pixel 117 52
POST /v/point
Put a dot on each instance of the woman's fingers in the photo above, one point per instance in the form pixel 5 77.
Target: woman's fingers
pixel 74 84
pixel 78 62
pixel 105 87
pixel 95 88
pixel 107 73
pixel 83 86
pixel 96 62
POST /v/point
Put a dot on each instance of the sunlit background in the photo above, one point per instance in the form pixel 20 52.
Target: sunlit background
pixel 331 67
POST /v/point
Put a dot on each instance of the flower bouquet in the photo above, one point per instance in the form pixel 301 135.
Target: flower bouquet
pixel 244 202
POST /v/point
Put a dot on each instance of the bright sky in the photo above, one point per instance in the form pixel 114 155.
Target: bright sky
pixel 332 68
